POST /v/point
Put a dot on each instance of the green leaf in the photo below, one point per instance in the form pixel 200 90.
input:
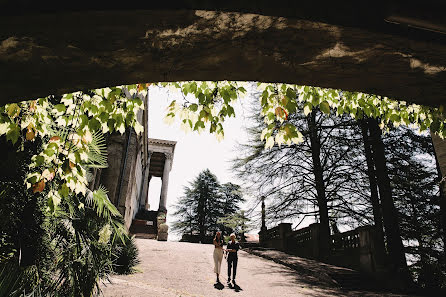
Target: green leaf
pixel 49 152
pixel 103 117
pixel 13 110
pixel 230 111
pixel 94 109
pixel 199 124
pixel 290 93
pixel 39 161
pixel 138 101
pixel 395 118
pixel 315 100
pixel 94 124
pixel 77 156
pixel 64 191
pixel 107 105
pixel 264 101
pixel 129 118
pixel 340 110
pixel 79 170
pixel 60 107
pixel 435 125
pixel 201 98
pixel 53 146
pixel 291 106
pixel 307 108
pixel 193 87
pixel 194 107
pixel 242 89
pixel 111 124
pixel 324 107
pixel 225 95
pixel 14 133
pixel 203 114
pixel 33 179
pixel 84 120
pixel 212 128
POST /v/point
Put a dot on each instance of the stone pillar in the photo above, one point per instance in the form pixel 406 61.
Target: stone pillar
pixel 165 183
pixel 315 240
pixel 284 230
pixel 145 203
pixel 366 252
pixel 263 229
pixel 263 215
pixel 144 196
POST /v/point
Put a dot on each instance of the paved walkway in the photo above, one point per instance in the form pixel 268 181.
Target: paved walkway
pixel 186 269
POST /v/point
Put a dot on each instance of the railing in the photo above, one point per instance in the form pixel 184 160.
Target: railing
pixel 302 236
pixel 273 233
pixel 345 241
pixel 354 249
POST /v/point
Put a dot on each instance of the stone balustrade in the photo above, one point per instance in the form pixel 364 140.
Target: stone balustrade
pixel 354 249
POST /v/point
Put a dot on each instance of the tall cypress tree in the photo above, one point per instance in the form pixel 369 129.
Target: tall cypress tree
pixel 390 215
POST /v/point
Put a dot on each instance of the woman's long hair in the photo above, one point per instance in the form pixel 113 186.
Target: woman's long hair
pixel 218 239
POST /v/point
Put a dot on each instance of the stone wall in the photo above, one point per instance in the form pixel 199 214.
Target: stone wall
pixel 110 176
pixel 123 178
pixel 133 182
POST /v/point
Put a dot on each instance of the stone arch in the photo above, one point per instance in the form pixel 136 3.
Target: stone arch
pixel 64 49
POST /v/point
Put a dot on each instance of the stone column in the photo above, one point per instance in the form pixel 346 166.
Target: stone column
pixel 284 230
pixel 366 253
pixel 146 200
pixel 315 239
pixel 165 183
pixel 263 229
pixel 144 195
pixel 263 215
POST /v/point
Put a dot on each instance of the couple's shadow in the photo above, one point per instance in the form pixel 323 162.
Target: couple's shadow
pixel 234 286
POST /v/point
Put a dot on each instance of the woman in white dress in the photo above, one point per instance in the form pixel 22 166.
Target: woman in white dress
pixel 218 253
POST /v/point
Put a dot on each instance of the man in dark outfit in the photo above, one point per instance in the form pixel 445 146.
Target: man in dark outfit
pixel 232 248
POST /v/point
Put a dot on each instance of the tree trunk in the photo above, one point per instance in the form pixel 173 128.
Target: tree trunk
pixel 202 215
pixel 320 187
pixel 371 172
pixel 440 150
pixel 390 215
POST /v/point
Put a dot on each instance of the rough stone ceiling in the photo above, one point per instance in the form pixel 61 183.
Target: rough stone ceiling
pixel 50 48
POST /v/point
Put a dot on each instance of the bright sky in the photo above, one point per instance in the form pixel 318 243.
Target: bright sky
pixel 193 152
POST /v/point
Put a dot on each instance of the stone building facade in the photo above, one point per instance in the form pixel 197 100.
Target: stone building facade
pixel 132 161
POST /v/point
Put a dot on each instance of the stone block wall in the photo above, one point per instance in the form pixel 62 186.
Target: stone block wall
pixel 123 176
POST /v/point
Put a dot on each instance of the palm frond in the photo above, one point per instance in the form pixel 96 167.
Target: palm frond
pixel 97 155
pixel 17 282
pixel 98 199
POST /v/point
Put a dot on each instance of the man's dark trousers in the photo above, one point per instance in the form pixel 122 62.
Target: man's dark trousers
pixel 232 263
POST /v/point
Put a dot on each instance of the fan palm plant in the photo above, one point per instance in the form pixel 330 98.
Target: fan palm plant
pixel 81 241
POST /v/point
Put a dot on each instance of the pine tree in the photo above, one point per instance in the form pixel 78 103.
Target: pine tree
pixel 204 203
pixel 413 175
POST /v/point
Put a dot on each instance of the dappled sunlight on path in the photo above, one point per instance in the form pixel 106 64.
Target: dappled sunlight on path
pixel 186 269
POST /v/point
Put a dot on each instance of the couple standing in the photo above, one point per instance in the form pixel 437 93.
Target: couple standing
pixel 231 249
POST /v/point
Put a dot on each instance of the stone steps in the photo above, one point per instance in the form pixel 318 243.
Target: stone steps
pixel 143 226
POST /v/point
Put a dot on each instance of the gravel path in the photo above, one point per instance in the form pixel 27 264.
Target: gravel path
pixel 186 269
